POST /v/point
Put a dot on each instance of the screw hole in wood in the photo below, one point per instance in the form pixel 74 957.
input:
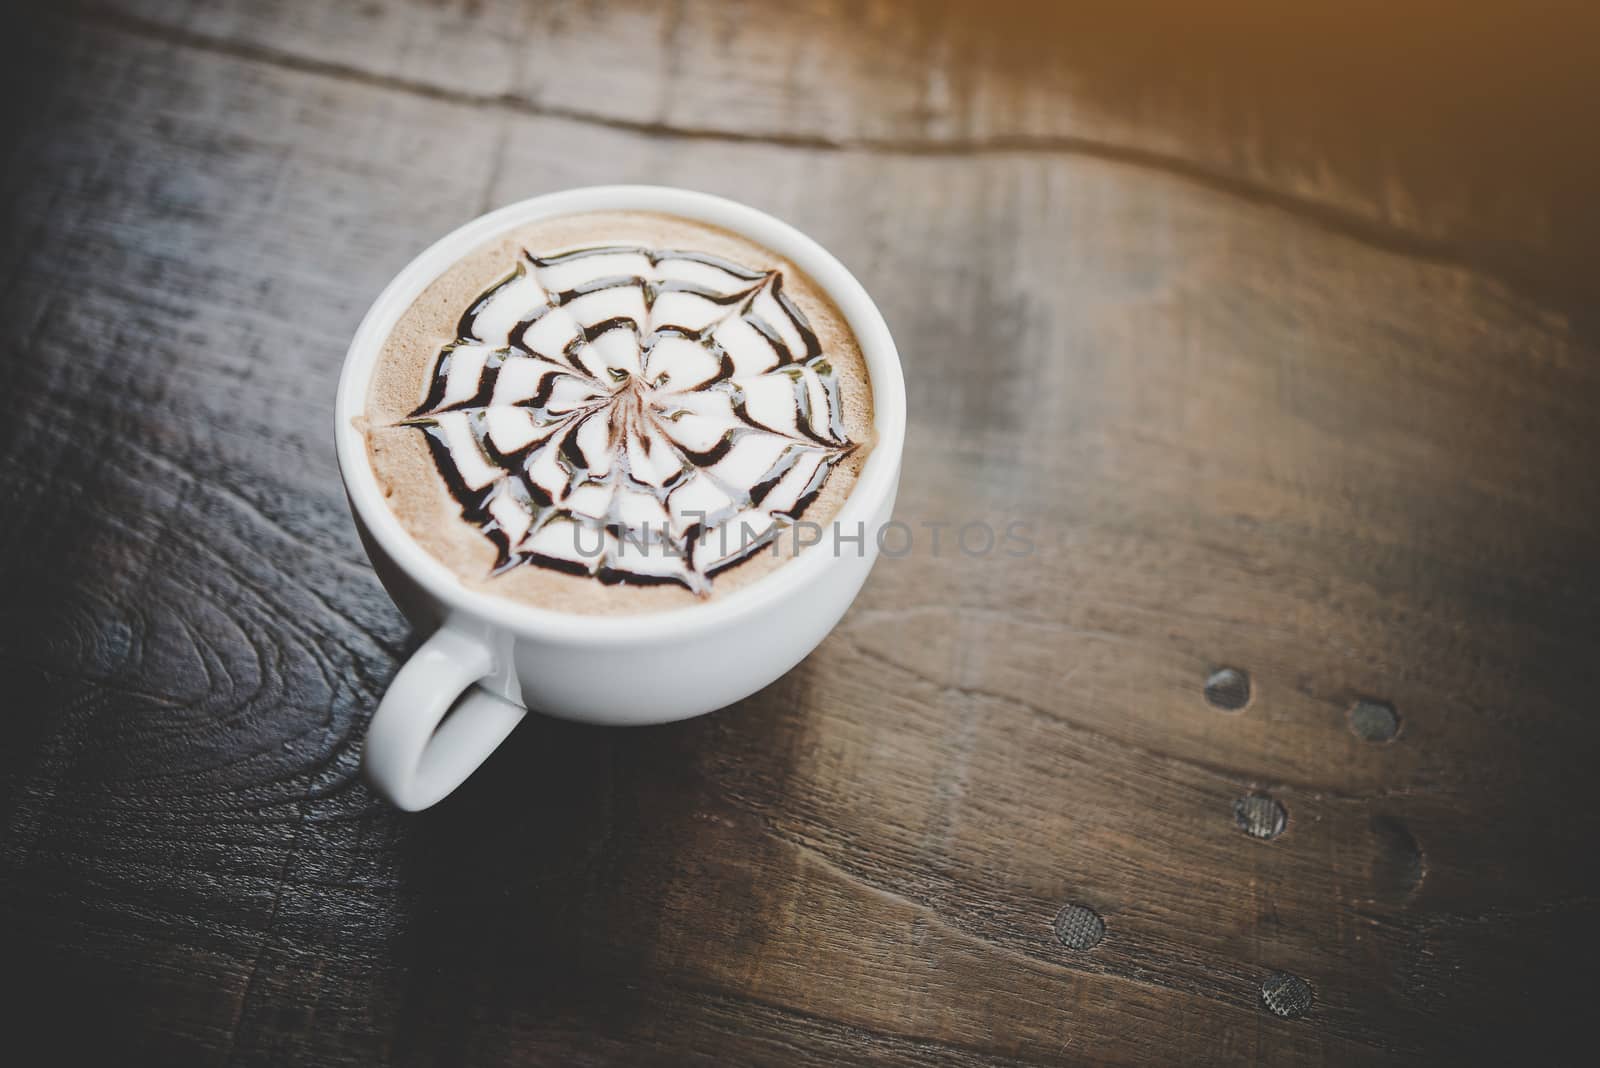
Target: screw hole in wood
pixel 1260 816
pixel 1079 927
pixel 1287 995
pixel 1228 689
pixel 1374 721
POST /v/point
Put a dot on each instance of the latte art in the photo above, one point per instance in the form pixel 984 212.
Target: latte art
pixel 635 415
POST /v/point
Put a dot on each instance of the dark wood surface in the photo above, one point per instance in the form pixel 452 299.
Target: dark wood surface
pixel 1278 332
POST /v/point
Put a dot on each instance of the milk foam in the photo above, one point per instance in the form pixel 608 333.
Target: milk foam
pixel 635 415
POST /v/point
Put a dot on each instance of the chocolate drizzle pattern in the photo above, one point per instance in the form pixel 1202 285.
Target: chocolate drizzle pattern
pixel 635 415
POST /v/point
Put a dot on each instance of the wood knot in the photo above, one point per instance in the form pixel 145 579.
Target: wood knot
pixel 1397 866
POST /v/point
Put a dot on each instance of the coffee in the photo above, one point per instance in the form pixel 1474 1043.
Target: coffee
pixel 618 412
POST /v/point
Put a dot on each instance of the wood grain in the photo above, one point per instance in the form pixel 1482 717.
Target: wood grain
pixel 1237 434
pixel 1441 130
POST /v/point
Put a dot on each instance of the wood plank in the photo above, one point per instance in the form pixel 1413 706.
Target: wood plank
pixel 1239 439
pixel 1392 121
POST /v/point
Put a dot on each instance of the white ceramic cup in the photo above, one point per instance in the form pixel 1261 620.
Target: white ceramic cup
pixel 489 659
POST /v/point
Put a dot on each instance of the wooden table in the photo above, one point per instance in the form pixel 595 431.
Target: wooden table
pixel 1276 332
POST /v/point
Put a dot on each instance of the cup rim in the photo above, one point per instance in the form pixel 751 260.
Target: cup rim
pixel 874 484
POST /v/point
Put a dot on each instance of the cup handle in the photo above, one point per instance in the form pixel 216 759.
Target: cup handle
pixel 435 726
